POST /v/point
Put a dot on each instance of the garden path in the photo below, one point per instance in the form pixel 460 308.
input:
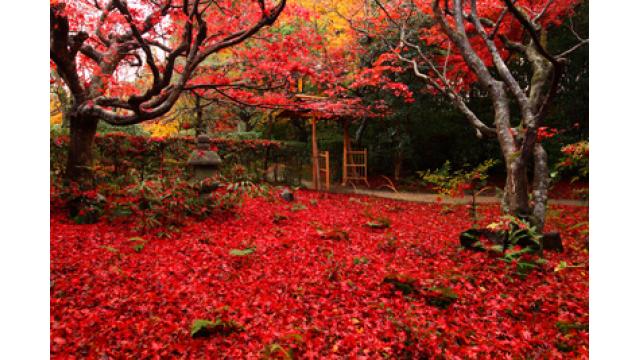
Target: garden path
pixel 432 198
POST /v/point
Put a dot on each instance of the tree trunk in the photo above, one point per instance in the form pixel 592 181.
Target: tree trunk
pixel 80 156
pixel 541 183
pixel 397 164
pixel 200 127
pixel 516 194
pixel 516 189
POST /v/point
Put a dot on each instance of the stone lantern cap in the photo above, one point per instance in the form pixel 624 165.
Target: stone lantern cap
pixel 203 155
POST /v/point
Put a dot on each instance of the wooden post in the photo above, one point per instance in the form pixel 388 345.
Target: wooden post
pixel 366 161
pixel 345 150
pixel 327 173
pixel 314 154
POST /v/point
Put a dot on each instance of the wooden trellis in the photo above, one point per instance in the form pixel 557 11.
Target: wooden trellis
pixel 354 166
pixel 324 170
pixel 354 162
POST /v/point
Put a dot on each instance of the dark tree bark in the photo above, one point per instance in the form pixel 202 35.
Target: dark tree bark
pixel 80 154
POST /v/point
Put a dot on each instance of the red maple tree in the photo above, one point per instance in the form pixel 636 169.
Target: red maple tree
pixel 453 45
pixel 125 62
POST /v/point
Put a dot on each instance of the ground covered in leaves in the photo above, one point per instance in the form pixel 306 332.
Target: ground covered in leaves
pixel 327 276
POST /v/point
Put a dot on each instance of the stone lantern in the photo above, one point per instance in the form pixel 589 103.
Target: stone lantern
pixel 204 161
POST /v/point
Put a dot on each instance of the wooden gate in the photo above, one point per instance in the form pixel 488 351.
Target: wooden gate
pixel 354 166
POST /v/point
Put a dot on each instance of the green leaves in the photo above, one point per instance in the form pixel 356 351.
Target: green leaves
pixel 206 328
pixel 565 326
pixel 453 183
pixel 298 207
pixel 401 282
pixel 379 224
pixel 138 243
pixel 525 267
pixel 469 238
pixel 438 296
pixel 377 221
pixel 276 351
pixel 563 265
pixel 441 297
pixel 286 29
pixel 244 252
pixel 515 255
pixel 200 327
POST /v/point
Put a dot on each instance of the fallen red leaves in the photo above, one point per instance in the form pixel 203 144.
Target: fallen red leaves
pixel 313 296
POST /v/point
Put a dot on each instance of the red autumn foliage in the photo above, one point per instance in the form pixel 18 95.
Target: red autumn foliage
pixel 299 293
pixel 548 15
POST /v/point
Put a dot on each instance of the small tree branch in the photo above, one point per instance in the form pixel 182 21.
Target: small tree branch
pixel 542 12
pixel 575 47
pixel 501 67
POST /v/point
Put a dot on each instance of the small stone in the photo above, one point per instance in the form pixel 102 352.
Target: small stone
pixel 552 241
pixel 495 237
pixel 287 195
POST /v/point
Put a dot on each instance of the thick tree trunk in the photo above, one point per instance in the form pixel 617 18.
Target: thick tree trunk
pixel 541 183
pixel 516 195
pixel 80 156
pixel 516 189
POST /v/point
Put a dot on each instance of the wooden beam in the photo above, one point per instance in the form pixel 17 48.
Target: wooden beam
pixel 345 151
pixel 314 154
pixel 366 161
pixel 327 172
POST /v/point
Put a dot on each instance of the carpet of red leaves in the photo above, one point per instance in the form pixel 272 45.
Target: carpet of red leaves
pixel 309 295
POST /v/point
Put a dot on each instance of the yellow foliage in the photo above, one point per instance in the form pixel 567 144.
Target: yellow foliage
pixel 163 129
pixel 330 18
pixel 55 110
pixel 170 123
pixel 55 119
